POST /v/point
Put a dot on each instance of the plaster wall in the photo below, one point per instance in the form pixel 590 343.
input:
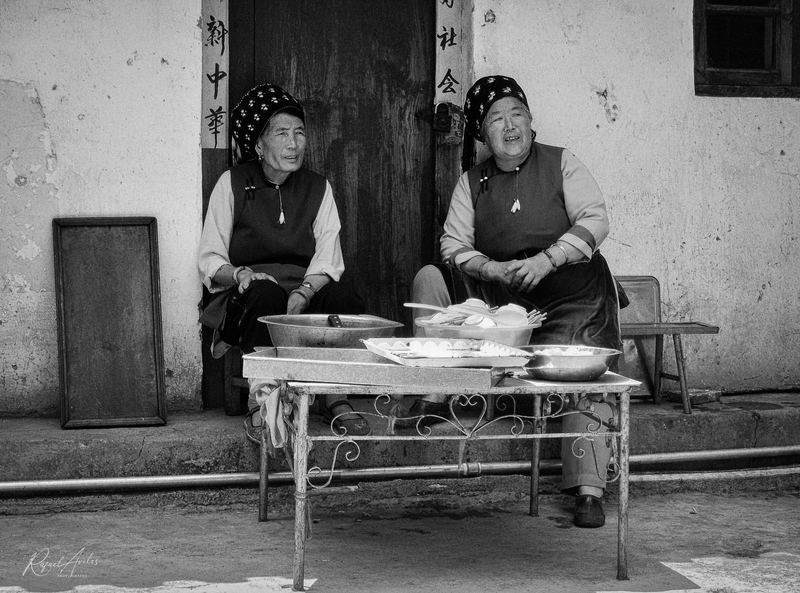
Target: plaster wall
pixel 703 193
pixel 100 116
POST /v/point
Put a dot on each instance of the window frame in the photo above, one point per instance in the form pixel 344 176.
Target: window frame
pixel 783 80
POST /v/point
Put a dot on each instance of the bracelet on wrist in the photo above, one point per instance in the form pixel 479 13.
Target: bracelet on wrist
pixel 551 258
pixel 564 251
pixel 236 275
pixel 302 294
pixel 480 268
pixel 309 286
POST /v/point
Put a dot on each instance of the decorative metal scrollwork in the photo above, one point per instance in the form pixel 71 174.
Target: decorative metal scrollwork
pixel 468 419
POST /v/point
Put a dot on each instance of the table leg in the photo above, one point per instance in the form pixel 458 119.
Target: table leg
pixel 536 449
pixel 658 366
pixel 624 453
pixel 680 362
pixel 263 475
pixel 300 487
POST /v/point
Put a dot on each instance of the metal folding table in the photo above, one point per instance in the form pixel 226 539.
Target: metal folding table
pixel 306 373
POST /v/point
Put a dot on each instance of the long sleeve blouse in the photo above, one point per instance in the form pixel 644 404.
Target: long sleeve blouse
pixel 218 228
pixel 583 202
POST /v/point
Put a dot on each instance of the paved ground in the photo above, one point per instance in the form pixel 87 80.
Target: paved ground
pixel 468 536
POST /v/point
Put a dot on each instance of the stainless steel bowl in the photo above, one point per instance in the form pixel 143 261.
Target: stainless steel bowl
pixel 320 331
pixel 554 362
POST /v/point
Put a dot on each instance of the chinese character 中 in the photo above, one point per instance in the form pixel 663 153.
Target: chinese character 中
pixel 216 77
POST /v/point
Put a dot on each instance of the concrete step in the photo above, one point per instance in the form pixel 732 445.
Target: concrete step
pixel 211 442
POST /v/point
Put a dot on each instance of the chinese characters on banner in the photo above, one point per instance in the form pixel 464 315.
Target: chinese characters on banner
pixel 449 45
pixel 215 74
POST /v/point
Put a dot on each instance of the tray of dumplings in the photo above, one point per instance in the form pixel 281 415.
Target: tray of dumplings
pixel 440 352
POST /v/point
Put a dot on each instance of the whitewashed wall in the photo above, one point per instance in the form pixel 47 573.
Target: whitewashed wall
pixel 703 193
pixel 100 116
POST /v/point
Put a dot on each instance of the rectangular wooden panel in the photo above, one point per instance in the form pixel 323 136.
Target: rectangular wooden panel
pixel 111 365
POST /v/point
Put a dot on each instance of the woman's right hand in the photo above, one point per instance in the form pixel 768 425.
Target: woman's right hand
pixel 245 277
pixel 496 271
pixel 525 274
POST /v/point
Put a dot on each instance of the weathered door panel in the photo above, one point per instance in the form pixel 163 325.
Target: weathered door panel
pixel 362 70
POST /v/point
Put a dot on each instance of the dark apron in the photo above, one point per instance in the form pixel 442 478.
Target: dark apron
pixel 580 300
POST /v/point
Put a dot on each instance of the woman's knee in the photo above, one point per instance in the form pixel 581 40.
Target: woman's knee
pixel 266 298
pixel 429 287
pixel 338 297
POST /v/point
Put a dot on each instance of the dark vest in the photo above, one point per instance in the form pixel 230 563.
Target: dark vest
pixel 542 217
pixel 258 237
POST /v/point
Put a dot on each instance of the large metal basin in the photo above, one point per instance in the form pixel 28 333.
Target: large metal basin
pixel 317 331
pixel 556 362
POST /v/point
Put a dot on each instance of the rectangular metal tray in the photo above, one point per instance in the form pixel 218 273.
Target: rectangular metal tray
pixel 440 352
pixel 359 367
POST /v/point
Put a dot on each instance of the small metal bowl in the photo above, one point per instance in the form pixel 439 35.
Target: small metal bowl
pixel 568 363
pixel 323 331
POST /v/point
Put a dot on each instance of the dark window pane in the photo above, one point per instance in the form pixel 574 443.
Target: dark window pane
pixel 743 2
pixel 739 41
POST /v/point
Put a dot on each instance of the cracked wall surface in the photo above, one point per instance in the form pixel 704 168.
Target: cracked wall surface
pixel 100 117
pixel 702 192
pixel 27 205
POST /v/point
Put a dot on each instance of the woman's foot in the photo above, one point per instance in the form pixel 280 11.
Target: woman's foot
pixel 424 413
pixel 344 420
pixel 589 508
pixel 253 426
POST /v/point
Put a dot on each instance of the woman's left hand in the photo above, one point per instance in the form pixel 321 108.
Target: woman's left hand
pixel 527 273
pixel 296 305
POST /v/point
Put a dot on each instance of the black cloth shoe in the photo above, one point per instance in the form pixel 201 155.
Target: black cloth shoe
pixel 431 412
pixel 345 420
pixel 589 511
pixel 253 431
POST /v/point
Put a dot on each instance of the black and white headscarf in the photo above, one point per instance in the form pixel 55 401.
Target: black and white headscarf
pixel 480 97
pixel 250 116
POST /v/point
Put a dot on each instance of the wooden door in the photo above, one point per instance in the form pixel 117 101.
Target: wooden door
pixel 362 70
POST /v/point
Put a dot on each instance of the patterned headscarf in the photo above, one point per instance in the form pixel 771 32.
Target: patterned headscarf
pixel 250 116
pixel 481 96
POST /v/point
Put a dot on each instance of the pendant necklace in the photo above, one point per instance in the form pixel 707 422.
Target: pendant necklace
pixel 516 206
pixel 281 218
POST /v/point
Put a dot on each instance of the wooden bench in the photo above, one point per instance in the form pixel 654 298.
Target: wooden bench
pixel 641 321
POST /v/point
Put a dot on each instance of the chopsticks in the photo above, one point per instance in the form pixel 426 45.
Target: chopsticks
pixel 536 317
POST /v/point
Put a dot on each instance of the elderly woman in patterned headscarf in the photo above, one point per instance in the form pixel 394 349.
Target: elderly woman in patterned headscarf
pixel 524 227
pixel 270 242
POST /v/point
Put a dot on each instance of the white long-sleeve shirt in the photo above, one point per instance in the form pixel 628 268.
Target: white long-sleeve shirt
pixel 218 228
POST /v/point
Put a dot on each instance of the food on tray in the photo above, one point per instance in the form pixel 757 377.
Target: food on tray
pixel 446 349
pixel 569 351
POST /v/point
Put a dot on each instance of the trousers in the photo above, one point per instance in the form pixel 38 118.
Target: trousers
pixel 585 460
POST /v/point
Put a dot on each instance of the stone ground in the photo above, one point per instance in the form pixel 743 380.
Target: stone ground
pixel 468 536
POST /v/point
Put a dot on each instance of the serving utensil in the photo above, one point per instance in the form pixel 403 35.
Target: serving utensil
pixel 500 315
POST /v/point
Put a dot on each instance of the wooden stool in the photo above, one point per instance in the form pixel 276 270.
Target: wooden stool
pixel 641 320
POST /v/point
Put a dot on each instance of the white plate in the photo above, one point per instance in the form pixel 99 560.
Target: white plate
pixel 440 352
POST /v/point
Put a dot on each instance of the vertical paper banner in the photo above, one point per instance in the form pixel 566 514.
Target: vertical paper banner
pixel 449 47
pixel 215 74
